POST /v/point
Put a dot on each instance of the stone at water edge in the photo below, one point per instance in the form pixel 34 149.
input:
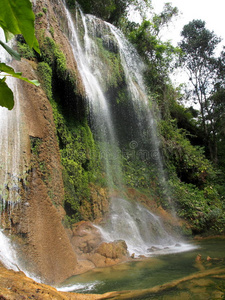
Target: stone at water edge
pixel 113 250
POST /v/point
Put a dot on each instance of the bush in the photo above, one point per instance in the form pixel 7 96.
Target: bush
pixel 25 51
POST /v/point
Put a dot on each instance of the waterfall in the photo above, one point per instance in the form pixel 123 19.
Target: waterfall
pixel 135 224
pixel 128 221
pixel 11 169
pixel 89 66
pixel 7 253
pixel 11 166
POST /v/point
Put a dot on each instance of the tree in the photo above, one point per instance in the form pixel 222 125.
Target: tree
pixel 205 72
pixel 160 57
pixel 16 17
pixel 110 10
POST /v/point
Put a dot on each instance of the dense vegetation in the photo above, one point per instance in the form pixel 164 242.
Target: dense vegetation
pixel 192 141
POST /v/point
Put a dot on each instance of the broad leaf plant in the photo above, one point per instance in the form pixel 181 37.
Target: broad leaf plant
pixel 16 17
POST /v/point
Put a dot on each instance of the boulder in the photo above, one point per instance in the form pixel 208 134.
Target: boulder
pixel 113 250
pixel 153 248
pixel 85 237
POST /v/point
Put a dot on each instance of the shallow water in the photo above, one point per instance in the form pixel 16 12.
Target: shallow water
pixel 153 271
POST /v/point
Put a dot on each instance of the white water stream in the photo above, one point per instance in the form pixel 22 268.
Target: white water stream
pixel 89 65
pixel 7 253
pixel 11 167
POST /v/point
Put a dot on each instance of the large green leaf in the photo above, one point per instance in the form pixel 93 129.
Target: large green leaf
pixel 12 52
pixel 9 70
pixel 6 95
pixel 17 17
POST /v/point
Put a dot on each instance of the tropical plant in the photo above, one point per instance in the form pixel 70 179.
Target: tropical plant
pixel 16 17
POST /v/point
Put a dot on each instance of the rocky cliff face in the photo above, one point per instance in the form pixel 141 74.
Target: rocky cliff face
pixel 36 221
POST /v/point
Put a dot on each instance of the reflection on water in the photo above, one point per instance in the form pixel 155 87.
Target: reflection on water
pixel 156 271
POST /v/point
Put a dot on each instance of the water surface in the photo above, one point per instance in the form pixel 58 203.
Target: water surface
pixel 151 272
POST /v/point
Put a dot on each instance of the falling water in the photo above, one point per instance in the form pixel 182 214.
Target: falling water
pixel 141 229
pixel 7 253
pixel 89 66
pixel 128 221
pixel 10 145
pixel 10 166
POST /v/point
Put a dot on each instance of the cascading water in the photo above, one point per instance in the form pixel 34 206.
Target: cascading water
pixel 128 221
pixel 7 253
pixel 11 166
pixel 11 169
pixel 89 65
pixel 135 224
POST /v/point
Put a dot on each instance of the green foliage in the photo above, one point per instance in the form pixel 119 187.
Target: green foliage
pixel 6 69
pixel 112 10
pixel 99 8
pixel 200 208
pixel 207 78
pixel 35 145
pixel 44 9
pixel 160 57
pixel 188 161
pixel 25 51
pixel 79 155
pixel 12 52
pixel 51 30
pixel 15 18
pixel 6 95
pixel 192 181
pixel 80 161
pixel 45 73
pixel 40 14
pixel 114 74
pixel 53 56
pixel 18 18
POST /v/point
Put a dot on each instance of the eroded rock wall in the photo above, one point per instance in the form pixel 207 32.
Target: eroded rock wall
pixel 36 221
pixel 38 217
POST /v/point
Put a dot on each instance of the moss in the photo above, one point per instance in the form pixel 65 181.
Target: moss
pixel 45 74
pixel 79 154
pixel 25 51
pixel 51 30
pixel 39 14
pixel 44 9
pixel 35 144
pixel 114 74
pixel 79 159
pixel 37 162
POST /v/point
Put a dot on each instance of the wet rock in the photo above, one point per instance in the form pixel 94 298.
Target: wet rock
pixel 153 248
pixel 85 237
pixel 98 260
pixel 142 256
pixel 178 245
pixel 16 286
pixel 110 44
pixel 113 250
pixel 198 258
